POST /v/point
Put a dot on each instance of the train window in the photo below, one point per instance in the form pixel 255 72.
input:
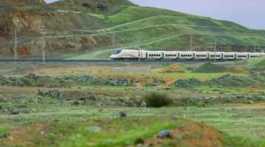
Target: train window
pixel 170 55
pixel 186 55
pixel 229 55
pixel 201 55
pixel 116 51
pixel 215 56
pixel 154 55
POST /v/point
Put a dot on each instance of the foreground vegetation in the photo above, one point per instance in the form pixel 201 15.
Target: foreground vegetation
pixel 88 126
pixel 88 105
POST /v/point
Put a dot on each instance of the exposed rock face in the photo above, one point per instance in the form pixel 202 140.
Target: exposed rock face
pixel 33 19
pixel 22 2
pixel 19 22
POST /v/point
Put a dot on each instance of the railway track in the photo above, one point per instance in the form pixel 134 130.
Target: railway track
pixel 62 61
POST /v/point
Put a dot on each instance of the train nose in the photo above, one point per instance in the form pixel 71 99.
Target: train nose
pixel 113 56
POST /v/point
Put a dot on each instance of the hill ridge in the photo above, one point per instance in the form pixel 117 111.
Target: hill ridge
pixel 121 24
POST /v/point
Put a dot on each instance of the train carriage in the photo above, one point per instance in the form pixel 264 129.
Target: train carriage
pixel 255 55
pixel 229 55
pixel 153 55
pixel 201 55
pixel 127 54
pixel 242 56
pixel 136 54
pixel 169 55
pixel 186 54
pixel 215 55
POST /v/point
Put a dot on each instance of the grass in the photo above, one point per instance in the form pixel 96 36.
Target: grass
pixel 128 22
pixel 103 129
pixel 109 132
pixel 259 64
pixel 230 90
pixel 142 73
pixel 51 121
pixel 119 132
pixel 240 122
pixel 101 54
pixel 253 62
pixel 3 132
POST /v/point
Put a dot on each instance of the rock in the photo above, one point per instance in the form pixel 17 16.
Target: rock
pixel 122 114
pixel 94 129
pixel 76 103
pixel 250 102
pixel 14 112
pixel 139 141
pixel 165 134
pixel 92 97
pixel 51 93
pixel 3 135
pixel 143 104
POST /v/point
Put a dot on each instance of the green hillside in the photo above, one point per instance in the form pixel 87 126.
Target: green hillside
pixel 167 29
pixel 82 26
pixel 157 28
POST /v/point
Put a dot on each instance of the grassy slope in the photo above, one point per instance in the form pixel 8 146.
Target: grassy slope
pixel 123 24
pixel 164 22
pixel 139 17
pixel 135 26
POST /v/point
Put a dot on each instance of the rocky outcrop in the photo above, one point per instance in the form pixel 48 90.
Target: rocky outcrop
pixel 58 22
pixel 22 2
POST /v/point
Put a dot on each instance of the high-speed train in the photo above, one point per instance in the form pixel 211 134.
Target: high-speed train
pixel 137 54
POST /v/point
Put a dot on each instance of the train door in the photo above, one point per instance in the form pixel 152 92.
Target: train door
pixel 162 55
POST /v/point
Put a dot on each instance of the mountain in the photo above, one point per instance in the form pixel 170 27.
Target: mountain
pixel 22 2
pixel 82 26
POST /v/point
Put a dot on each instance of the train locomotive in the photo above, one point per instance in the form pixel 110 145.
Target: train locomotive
pixel 140 54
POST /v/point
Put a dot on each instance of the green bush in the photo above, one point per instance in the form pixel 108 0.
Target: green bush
pixel 210 68
pixel 233 81
pixel 3 132
pixel 156 99
pixel 260 65
pixel 188 83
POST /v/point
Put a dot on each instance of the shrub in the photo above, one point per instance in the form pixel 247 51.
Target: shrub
pixel 210 68
pixel 156 99
pixel 3 133
pixel 260 65
pixel 189 83
pixel 174 68
pixel 233 81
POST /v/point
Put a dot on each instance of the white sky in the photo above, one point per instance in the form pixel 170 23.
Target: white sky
pixel 249 13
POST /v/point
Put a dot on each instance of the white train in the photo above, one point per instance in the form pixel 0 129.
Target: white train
pixel 137 54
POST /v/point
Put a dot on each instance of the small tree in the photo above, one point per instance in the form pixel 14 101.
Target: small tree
pixel 157 99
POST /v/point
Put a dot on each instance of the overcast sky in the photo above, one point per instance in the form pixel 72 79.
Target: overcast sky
pixel 250 13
